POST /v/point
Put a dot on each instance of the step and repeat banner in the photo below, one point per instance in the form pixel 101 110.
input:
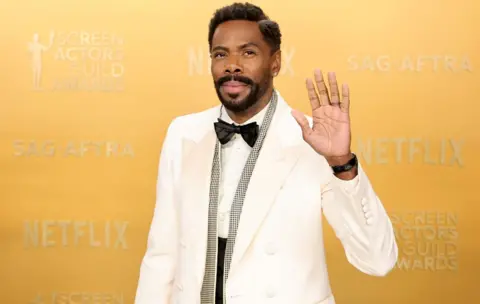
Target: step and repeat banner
pixel 88 88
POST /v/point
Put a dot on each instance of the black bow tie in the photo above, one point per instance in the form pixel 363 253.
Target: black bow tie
pixel 225 132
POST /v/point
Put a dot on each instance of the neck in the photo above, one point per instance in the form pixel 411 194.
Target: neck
pixel 241 117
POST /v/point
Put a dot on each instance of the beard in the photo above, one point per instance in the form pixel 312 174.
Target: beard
pixel 233 102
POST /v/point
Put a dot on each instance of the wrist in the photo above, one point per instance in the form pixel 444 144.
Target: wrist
pixel 344 167
pixel 339 160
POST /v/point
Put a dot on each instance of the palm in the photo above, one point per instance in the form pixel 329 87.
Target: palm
pixel 330 133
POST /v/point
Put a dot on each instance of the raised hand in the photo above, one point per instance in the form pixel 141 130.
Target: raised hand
pixel 330 133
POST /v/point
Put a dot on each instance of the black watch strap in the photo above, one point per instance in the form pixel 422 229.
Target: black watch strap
pixel 347 167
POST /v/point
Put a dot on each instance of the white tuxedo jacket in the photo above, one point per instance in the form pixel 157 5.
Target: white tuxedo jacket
pixel 279 253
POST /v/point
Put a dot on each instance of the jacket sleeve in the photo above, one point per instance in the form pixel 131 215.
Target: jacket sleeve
pixel 361 223
pixel 157 270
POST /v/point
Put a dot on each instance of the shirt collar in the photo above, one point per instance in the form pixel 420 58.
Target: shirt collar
pixel 258 118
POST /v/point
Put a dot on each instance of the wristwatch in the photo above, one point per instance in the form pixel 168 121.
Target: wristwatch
pixel 347 167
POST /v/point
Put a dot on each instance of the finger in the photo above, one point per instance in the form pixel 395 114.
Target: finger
pixel 332 81
pixel 312 94
pixel 322 88
pixel 345 104
pixel 303 123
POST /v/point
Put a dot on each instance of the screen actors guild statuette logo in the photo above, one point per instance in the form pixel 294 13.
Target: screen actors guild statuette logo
pixel 82 61
pixel 36 49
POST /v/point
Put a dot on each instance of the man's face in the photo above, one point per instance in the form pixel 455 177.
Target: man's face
pixel 241 64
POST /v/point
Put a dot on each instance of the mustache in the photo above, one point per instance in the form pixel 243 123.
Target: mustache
pixel 238 78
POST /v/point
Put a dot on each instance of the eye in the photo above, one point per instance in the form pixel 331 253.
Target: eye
pixel 249 53
pixel 219 55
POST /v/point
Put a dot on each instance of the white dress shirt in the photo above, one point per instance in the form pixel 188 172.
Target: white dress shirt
pixel 233 157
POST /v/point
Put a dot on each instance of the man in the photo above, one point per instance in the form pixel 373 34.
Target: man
pixel 241 186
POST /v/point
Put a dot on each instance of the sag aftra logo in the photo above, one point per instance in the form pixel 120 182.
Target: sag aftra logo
pixel 77 61
pixel 420 63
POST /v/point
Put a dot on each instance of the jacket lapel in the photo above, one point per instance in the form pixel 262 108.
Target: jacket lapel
pixel 195 191
pixel 196 170
pixel 276 160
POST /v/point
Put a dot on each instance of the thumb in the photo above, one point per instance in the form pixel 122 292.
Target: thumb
pixel 303 123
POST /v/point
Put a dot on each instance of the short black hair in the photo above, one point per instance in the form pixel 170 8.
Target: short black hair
pixel 249 12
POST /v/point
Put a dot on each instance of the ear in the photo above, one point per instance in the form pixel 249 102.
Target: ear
pixel 276 63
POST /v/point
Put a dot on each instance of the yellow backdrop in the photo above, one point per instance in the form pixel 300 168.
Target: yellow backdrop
pixel 84 109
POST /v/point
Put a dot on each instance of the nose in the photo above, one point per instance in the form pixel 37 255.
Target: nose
pixel 233 66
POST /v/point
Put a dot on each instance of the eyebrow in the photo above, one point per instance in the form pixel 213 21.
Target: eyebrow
pixel 241 47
